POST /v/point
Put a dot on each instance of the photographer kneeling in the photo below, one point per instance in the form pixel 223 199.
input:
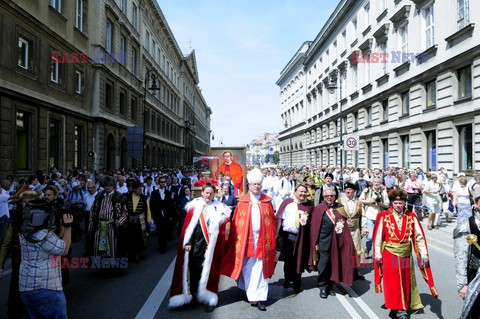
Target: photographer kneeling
pixel 40 281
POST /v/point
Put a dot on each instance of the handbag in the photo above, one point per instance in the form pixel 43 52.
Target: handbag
pixel 443 195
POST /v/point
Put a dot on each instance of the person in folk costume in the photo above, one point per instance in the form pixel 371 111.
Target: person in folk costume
pixel 311 189
pixel 353 212
pixel 293 218
pixel 467 260
pixel 331 246
pixel 107 218
pixel 396 230
pixel 250 254
pixel 139 217
pixel 200 250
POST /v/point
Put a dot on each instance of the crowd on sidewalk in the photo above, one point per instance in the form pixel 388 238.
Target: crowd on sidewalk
pixel 297 214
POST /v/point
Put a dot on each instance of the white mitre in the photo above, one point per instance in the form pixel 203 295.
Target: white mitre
pixel 255 176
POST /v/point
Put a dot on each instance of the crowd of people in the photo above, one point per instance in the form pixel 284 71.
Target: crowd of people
pixel 313 219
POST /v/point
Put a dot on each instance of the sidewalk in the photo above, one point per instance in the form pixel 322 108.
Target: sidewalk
pixel 441 237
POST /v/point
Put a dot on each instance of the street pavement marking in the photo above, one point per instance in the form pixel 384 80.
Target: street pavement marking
pixel 346 304
pixel 360 302
pixel 155 299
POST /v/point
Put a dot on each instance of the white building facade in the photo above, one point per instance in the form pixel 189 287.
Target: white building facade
pixel 407 78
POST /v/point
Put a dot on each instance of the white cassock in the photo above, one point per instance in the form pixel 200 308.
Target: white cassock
pixel 251 278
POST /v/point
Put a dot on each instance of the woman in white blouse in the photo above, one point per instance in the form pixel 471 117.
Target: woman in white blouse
pixel 432 191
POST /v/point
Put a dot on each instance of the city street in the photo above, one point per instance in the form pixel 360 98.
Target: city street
pixel 141 291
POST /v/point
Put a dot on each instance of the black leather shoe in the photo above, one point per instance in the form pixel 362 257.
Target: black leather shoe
pixel 209 308
pixel 286 284
pixel 360 277
pixel 261 306
pixel 323 294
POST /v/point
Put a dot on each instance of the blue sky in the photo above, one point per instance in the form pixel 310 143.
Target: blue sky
pixel 241 47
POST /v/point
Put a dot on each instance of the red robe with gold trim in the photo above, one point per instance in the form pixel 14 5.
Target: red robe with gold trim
pixel 396 256
pixel 240 229
pixel 235 171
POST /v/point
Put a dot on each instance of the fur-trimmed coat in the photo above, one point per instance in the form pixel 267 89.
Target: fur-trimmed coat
pixel 208 285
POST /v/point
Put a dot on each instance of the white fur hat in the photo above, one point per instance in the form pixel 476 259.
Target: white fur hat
pixel 255 176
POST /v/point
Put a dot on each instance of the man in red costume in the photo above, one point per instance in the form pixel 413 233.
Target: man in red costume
pixel 232 169
pixel 205 179
pixel 396 231
pixel 199 251
pixel 250 256
pixel 332 251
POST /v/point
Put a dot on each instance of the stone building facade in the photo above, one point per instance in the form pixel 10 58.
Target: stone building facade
pixel 403 75
pixel 73 80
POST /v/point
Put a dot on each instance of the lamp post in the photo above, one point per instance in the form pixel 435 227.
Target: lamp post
pixel 290 135
pixel 331 88
pixel 153 89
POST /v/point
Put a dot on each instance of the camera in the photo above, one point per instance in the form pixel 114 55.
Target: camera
pixel 378 200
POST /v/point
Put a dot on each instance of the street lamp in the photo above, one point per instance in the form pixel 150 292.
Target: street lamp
pixel 290 135
pixel 153 89
pixel 331 88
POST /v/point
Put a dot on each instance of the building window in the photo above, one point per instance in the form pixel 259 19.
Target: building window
pixel 355 76
pixel 431 137
pixel 79 15
pixel 385 111
pixel 134 15
pixel 354 24
pixel 123 6
pixel 24 53
pixel 431 92
pixel 79 82
pixel 385 153
pixel 23 139
pixel 355 121
pixel 428 17
pixel 344 40
pixel 123 50
pixel 152 123
pixel 465 133
pixel 464 77
pixel 154 49
pixel 368 153
pixel 123 101
pixel 405 103
pixel 56 4
pixel 54 145
pixel 133 109
pixel 158 125
pixel 147 41
pixel 463 13
pixel 367 15
pixel 78 146
pixel 368 116
pixel 109 37
pixel 134 61
pixel 109 96
pixel 405 150
pixel 403 32
pixel 56 71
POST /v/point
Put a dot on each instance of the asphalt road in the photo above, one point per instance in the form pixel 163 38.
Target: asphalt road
pixel 141 291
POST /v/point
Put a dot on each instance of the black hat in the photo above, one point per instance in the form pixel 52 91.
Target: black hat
pixel 350 185
pixel 136 184
pixel 329 175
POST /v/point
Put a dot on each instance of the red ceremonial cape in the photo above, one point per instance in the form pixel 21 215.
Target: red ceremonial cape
pixel 208 287
pixel 342 251
pixel 396 270
pixel 240 228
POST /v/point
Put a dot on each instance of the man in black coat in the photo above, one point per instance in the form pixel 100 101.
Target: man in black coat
pixel 161 205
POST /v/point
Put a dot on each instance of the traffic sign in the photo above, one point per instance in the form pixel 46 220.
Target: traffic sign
pixel 350 142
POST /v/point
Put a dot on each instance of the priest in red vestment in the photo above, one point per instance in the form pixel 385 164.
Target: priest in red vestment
pixel 250 255
pixel 232 169
pixel 398 237
pixel 197 268
pixel 332 251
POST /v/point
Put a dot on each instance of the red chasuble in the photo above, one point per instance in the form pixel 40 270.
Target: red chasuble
pixel 399 282
pixel 238 244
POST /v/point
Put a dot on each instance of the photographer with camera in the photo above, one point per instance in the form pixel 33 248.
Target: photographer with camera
pixel 375 199
pixel 42 239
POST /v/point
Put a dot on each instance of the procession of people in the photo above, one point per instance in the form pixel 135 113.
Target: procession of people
pixel 309 219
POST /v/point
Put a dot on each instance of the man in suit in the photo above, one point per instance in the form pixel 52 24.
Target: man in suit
pixel 228 199
pixel 161 204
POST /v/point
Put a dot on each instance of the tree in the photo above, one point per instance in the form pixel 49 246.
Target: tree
pixel 276 157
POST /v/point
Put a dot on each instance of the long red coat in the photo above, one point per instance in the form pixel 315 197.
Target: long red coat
pixel 342 254
pixel 232 261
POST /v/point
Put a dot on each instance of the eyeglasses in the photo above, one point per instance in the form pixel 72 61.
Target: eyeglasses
pixel 328 195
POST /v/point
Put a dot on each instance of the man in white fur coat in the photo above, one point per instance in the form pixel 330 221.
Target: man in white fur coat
pixel 200 251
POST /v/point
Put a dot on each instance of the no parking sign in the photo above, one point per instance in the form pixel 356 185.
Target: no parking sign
pixel 350 142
